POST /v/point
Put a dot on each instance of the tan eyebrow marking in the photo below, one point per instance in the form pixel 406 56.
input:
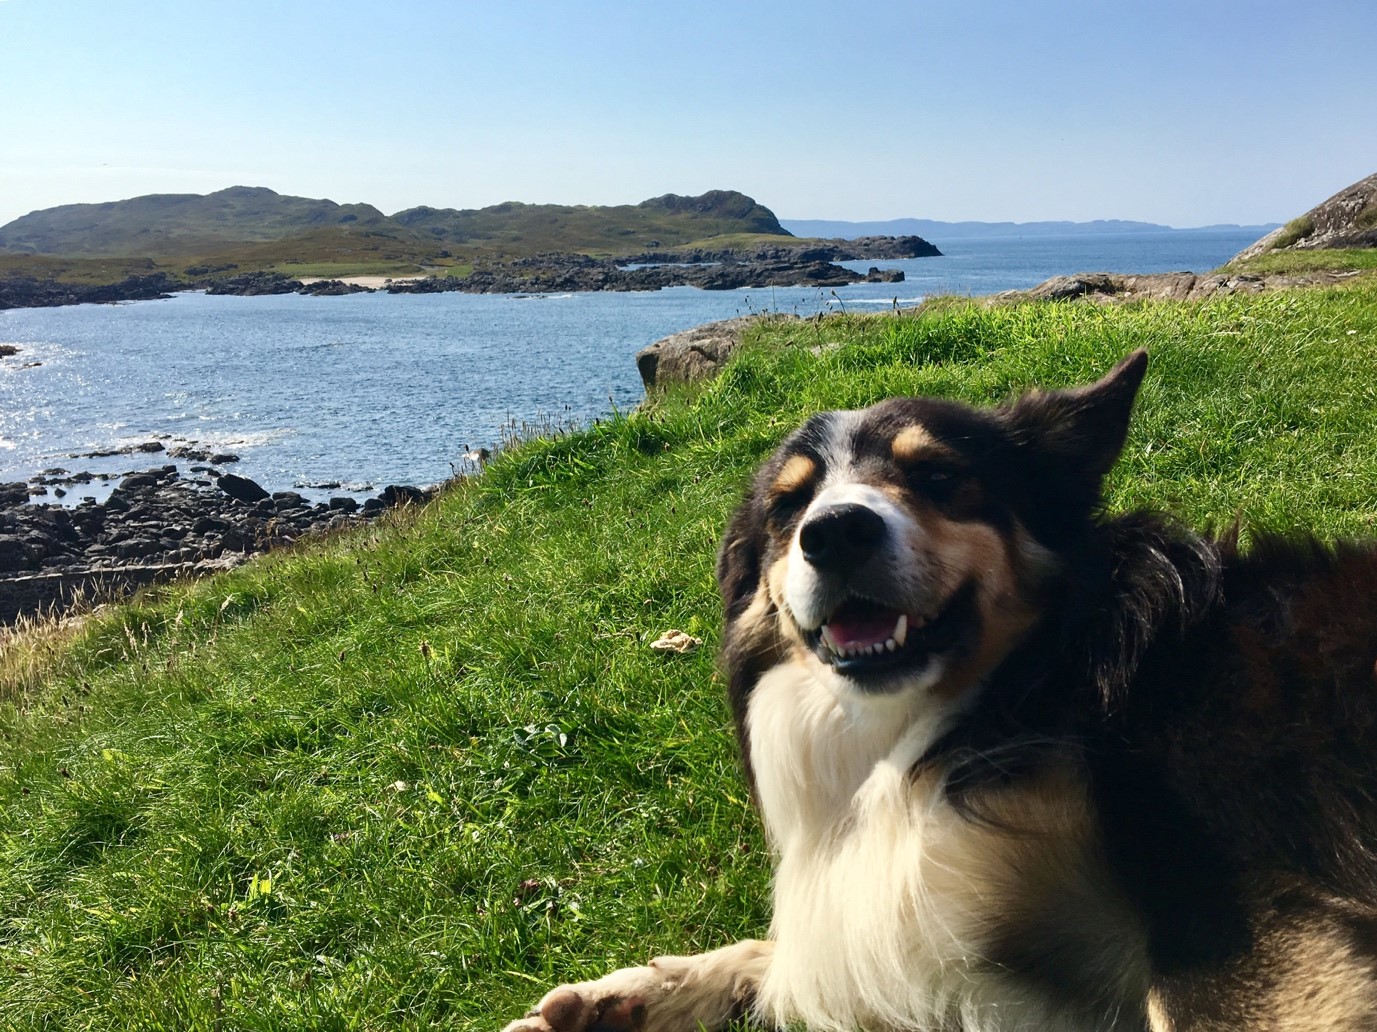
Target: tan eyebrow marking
pixel 796 473
pixel 912 442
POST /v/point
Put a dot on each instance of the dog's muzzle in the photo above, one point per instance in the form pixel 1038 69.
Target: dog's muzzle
pixel 854 601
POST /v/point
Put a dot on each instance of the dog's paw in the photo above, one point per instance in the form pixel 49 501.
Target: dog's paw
pixel 652 998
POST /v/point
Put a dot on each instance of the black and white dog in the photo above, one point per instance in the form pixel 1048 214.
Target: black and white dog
pixel 1024 765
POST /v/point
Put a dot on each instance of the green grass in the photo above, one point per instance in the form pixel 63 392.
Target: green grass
pixel 334 270
pixel 1319 260
pixel 414 775
pixel 1296 229
pixel 739 242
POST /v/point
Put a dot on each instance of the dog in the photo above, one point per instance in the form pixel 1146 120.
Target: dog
pixel 1024 764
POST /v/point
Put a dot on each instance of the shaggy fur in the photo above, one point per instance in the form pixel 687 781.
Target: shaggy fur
pixel 1024 765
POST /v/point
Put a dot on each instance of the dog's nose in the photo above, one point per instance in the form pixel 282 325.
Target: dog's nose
pixel 841 536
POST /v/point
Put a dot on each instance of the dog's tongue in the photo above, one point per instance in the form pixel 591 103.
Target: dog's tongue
pixel 857 625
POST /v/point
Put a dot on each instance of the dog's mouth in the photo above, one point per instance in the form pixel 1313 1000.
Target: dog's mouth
pixel 864 637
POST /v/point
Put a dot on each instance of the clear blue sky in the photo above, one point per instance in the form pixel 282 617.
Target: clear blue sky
pixel 1184 113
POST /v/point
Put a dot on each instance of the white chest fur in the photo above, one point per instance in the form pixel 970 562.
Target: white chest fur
pixel 885 897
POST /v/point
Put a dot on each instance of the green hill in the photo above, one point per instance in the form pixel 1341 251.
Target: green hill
pixel 162 225
pixel 666 221
pixel 412 776
pixel 234 225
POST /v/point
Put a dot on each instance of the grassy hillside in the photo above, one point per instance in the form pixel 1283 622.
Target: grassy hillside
pixel 1299 262
pixel 660 222
pixel 416 774
pixel 164 225
pixel 253 228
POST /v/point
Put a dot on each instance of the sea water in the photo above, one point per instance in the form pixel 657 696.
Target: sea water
pixel 331 395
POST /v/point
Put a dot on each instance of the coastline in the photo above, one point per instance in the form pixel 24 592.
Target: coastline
pixel 803 263
pixel 156 525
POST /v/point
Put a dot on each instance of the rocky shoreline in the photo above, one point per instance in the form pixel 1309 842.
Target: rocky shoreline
pixel 156 525
pixel 809 264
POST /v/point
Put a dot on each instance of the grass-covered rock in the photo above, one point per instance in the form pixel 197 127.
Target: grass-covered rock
pixel 417 773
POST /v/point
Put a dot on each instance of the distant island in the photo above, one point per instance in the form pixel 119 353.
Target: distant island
pixel 974 230
pixel 252 240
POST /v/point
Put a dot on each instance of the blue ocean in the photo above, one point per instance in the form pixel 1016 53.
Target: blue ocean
pixel 330 395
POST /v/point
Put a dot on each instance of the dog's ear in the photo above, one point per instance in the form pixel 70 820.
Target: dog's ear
pixel 1086 425
pixel 738 560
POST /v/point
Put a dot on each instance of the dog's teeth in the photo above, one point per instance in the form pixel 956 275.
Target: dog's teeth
pixel 900 630
pixel 891 645
pixel 830 641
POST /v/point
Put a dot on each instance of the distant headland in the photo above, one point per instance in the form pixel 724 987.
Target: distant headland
pixel 944 231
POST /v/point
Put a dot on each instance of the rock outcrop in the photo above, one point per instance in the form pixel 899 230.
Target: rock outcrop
pixel 1163 286
pixel 1348 219
pixel 692 355
pixel 29 292
pixel 155 525
pixel 252 284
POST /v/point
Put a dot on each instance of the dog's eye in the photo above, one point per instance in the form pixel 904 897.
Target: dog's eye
pixel 932 476
pixel 784 506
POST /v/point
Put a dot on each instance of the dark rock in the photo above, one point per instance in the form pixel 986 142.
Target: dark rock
pixel 210 525
pixel 877 275
pixel 400 494
pixel 343 503
pixel 12 553
pixel 29 292
pixel 241 488
pixel 885 247
pixel 136 548
pixel 252 284
pixel 153 526
pixel 13 494
pixel 6 350
pixel 221 458
pixel 333 288
pixel 138 482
